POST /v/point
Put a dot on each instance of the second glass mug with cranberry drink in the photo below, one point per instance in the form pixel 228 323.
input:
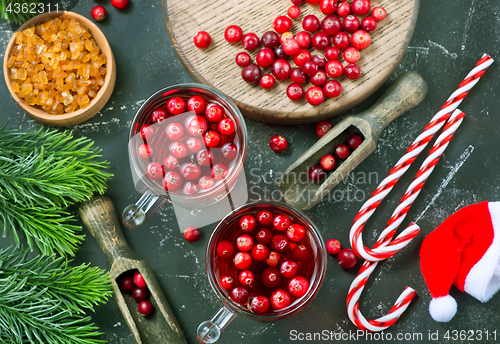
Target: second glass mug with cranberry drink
pixel 187 143
pixel 265 261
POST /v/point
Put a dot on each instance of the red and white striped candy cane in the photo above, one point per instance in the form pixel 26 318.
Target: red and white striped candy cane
pixel 404 163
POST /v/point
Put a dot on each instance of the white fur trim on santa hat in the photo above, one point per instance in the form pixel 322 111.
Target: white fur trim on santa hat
pixel 442 309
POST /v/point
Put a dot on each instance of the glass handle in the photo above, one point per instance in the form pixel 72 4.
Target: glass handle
pixel 209 331
pixel 134 215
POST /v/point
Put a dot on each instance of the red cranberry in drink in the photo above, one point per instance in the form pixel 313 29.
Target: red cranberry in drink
pixel 333 246
pixel 317 174
pixel 226 282
pixel 351 55
pixel 196 104
pixel 354 140
pixel 265 58
pixel 227 126
pixel 194 144
pixel 361 39
pixel 352 71
pixel 281 69
pixel 250 41
pixel 294 92
pixel 206 183
pixel 155 171
pixel 323 127
pixel 267 82
pixel 264 236
pixel 291 47
pixel 260 304
pixel 368 24
pixel 172 181
pixel 296 233
pixel 246 278
pixel 158 114
pixel 304 39
pixel 298 76
pixel 270 39
pixel 298 286
pixel 271 277
pixel 361 7
pixel 127 284
pixel 279 54
pixel 190 171
pixel 244 243
pixel 170 163
pixel 225 249
pixel 176 105
pixel 282 24
pixel 144 151
pixel 289 269
pixel 251 73
pixel 174 131
pixel 341 40
pixel 331 53
pixel 379 13
pixel 301 57
pixel 190 188
pixel 214 112
pixel 300 252
pixel 260 252
pixel 320 60
pixel 281 222
pixel 319 79
pixel 342 151
pixel 239 295
pixel 328 162
pixel 344 9
pixel 273 259
pixel 264 218
pixel 280 243
pixel 280 299
pixel 310 67
pixel 350 23
pixel 202 40
pixel 347 258
pixel 332 88
pixel 178 150
pixel 211 139
pixel 229 151
pixel 315 95
pixel 233 34
pixel 320 41
pixel 243 59
pixel 139 280
pixel 192 234
pixel 140 294
pixel 146 308
pixel 242 260
pixel 311 23
pixel 147 132
pixel 219 172
pixel 204 158
pixel 334 68
pixel 293 12
pixel 278 143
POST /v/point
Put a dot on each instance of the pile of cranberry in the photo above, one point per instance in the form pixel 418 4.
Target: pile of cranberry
pixel 269 269
pixel 136 285
pixel 279 48
pixel 193 155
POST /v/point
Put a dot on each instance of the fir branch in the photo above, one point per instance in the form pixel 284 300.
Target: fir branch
pixel 21 16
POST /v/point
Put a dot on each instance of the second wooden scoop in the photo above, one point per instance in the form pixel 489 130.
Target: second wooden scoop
pixel 99 216
pixel 302 193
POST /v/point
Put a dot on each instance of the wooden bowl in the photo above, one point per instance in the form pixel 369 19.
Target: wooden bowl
pixel 104 93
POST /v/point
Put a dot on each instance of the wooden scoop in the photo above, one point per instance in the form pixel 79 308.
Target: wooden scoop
pixel 99 216
pixel 299 191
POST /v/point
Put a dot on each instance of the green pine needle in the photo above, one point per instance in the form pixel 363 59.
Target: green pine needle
pixel 9 12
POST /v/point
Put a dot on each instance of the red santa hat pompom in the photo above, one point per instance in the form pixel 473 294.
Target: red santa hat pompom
pixel 465 251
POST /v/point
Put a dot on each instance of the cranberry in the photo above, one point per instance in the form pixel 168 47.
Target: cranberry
pixel 310 67
pixel 191 171
pixel 342 151
pixel 333 246
pixel 300 252
pixel 281 222
pixel 265 218
pixel 155 170
pixel 315 95
pixel 248 223
pixel 194 144
pixel 350 23
pixel 119 4
pixel 319 78
pixel 158 114
pixel 170 163
pixel 302 56
pixel 178 150
pixel 219 172
pixel 379 13
pixel 323 127
pixel 279 54
pixel 354 140
pixel 298 76
pixel 296 233
pixel 281 69
pixel 282 24
pixel 243 59
pixel 204 158
pixel 176 105
pixel 331 53
pixel 206 182
pixel 196 125
pixel 145 307
pixel 351 55
pixel 190 188
pixel 192 234
pixel 196 104
pixel 334 68
pixel 347 258
pixel 298 286
pixel 265 58
pixel 226 282
pixel 242 260
pixel 260 304
pixel 344 9
pixel 289 269
pixel 304 39
pixel 250 41
pixel 352 71
pixel 328 162
pixel 247 278
pixel 211 139
pixel 215 112
pixel 341 40
pixel 264 236
pixel 320 41
pixel 271 277
pixel 331 25
pixel 98 13
pixel 145 151
pixel 361 39
pixel 140 294
pixel 127 284
pixel 328 6
pixel 278 143
pixel 273 259
pixel 233 34
pixel 317 174
pixel 280 299
pixel 361 7
pixel 139 280
pixel 320 60
pixel 368 24
pixel 202 40
pixel 291 47
pixel 286 37
pixel 293 12
pixel 174 131
pixel 172 181
pixel 270 39
pixel 297 2
pixel 332 88
pixel 239 295
pixel 260 252
pixel 225 249
pixel 311 23
pixel 229 151
pixel 294 92
pixel 244 243
pixel 251 73
pixel 313 2
pixel 147 132
pixel 280 243
pixel 227 126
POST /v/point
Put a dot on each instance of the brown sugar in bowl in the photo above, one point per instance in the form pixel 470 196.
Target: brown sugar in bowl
pixel 96 104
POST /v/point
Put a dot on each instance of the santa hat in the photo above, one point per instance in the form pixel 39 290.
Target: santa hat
pixel 465 251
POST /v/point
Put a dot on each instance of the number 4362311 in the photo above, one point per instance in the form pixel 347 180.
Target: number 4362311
pixel 30 8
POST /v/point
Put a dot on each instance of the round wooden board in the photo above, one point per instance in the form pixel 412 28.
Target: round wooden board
pixel 216 67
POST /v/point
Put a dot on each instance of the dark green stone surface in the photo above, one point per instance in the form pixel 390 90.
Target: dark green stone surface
pixel 449 38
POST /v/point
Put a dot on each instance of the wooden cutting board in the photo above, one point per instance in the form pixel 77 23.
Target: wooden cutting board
pixel 216 67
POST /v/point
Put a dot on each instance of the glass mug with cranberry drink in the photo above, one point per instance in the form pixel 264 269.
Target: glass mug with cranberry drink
pixel 187 143
pixel 265 261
